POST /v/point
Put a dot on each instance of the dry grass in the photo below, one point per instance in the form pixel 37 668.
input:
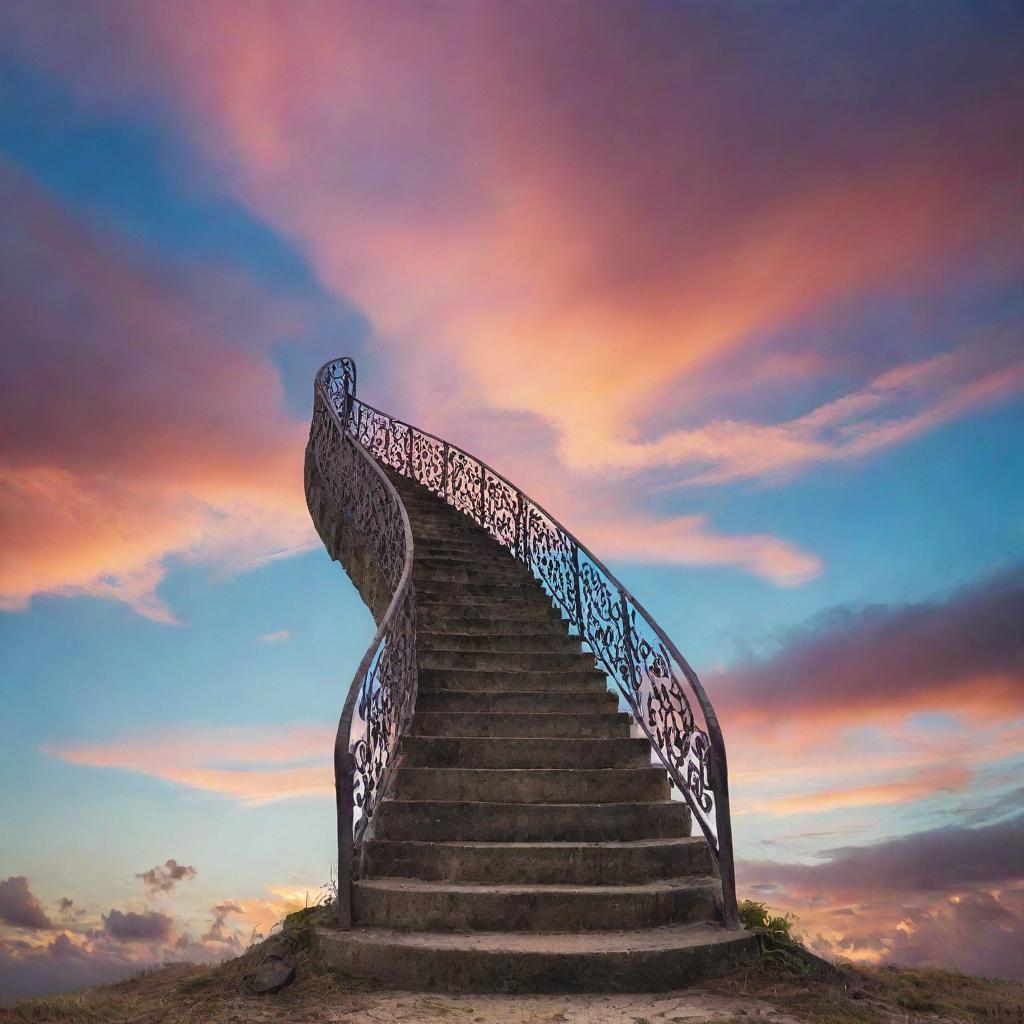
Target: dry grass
pixel 946 994
pixel 824 994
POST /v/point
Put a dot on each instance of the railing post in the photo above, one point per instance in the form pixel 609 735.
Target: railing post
pixel 344 788
pixel 483 496
pixel 719 779
pixel 444 471
pixel 409 428
pixel 519 524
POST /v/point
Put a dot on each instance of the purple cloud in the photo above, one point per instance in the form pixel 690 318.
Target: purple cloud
pixel 19 907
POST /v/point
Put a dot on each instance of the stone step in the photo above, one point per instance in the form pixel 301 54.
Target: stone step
pixel 511 714
pixel 479 620
pixel 426 502
pixel 543 679
pixel 545 661
pixel 448 531
pixel 474 681
pixel 475 547
pixel 431 723
pixel 456 607
pixel 525 642
pixel 425 507
pixel 497 558
pixel 412 904
pixel 446 821
pixel 496 591
pixel 479 575
pixel 532 785
pixel 456 752
pixel 541 863
pixel 650 960
pixel 499 702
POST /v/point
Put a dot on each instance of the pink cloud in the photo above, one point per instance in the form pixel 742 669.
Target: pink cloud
pixel 140 419
pixel 951 896
pixel 920 786
pixel 253 765
pixel 580 262
pixel 897 710
pixel 962 654
pixel 900 404
pixel 690 540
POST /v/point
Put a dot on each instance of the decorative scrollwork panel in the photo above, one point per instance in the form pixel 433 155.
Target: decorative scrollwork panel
pixel 501 510
pixel 386 703
pixel 370 507
pixel 428 462
pixel 465 476
pixel 601 626
pixel 550 556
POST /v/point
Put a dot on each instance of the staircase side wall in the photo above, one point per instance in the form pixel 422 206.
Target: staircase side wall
pixel 345 544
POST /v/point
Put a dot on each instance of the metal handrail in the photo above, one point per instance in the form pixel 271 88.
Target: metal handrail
pixel 648 669
pixel 361 768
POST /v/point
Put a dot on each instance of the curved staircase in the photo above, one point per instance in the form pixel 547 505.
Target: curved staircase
pixel 519 837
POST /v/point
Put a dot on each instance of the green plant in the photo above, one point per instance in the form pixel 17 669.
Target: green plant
pixel 756 917
pixel 774 933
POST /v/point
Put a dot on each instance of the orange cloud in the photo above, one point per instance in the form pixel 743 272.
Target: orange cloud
pixel 489 232
pixel 590 262
pixel 927 784
pixel 689 540
pixel 529 232
pixel 253 765
pixel 898 405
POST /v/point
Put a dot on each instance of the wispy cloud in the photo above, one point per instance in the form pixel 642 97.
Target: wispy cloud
pixel 900 404
pixel 908 710
pixel 275 637
pixel 692 540
pixel 920 786
pixel 253 765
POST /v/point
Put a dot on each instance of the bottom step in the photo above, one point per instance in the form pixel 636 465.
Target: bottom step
pixel 652 960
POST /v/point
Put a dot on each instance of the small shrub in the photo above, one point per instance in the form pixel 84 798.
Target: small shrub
pixel 774 934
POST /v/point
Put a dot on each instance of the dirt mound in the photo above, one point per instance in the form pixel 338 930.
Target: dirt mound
pixel 794 991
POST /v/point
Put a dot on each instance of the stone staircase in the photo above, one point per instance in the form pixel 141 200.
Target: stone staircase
pixel 526 842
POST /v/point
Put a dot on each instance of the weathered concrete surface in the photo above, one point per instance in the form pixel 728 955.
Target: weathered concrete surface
pixel 680 1007
pixel 650 960
pixel 541 863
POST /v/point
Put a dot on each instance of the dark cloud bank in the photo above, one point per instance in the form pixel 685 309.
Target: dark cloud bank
pixel 967 650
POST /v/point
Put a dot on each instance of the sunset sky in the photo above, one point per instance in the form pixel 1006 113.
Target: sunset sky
pixel 736 290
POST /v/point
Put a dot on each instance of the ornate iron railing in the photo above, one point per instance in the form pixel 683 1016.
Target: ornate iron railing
pixel 355 506
pixel 653 679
